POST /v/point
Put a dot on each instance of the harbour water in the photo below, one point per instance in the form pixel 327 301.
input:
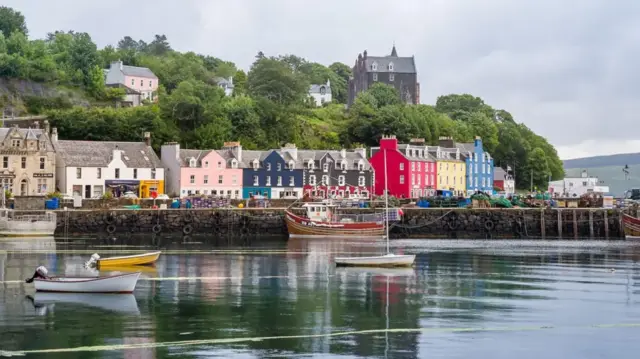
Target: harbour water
pixel 463 299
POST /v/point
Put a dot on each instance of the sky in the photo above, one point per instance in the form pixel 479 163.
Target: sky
pixel 566 69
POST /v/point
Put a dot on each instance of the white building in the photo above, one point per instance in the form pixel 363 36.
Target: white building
pixel 321 93
pixel 90 168
pixel 504 180
pixel 577 186
pixel 226 85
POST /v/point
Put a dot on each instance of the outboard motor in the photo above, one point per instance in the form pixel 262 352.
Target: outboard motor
pixel 93 261
pixel 41 272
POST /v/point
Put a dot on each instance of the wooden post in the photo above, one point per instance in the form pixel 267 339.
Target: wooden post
pixel 622 233
pixel 591 224
pixel 543 229
pixel 559 223
pixel 575 225
pixel 606 224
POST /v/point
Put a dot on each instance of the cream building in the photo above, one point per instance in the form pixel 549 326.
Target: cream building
pixel 27 161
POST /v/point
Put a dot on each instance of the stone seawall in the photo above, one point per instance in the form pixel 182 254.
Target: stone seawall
pixel 416 223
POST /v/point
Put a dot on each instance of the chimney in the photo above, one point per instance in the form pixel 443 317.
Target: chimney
pixel 117 65
pixel 343 153
pixel 365 54
pixel 362 151
pixel 54 135
pixel 47 128
pixel 291 149
pixel 446 142
pixel 147 138
pixel 417 141
pixel 117 153
pixel 389 142
pixel 477 142
pixel 235 148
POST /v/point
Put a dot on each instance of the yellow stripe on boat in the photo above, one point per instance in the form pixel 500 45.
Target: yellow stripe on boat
pixel 133 260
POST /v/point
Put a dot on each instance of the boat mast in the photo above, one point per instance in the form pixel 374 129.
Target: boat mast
pixel 386 198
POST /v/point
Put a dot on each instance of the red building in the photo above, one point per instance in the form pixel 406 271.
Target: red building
pixel 410 169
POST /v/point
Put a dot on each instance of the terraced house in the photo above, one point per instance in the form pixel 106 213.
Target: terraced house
pixel 451 166
pixel 411 170
pixel 337 174
pixel 479 166
pixel 206 172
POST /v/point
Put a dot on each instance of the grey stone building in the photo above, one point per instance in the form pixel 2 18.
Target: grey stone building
pixel 399 72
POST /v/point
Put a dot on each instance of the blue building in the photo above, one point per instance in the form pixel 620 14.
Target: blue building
pixel 479 166
pixel 268 173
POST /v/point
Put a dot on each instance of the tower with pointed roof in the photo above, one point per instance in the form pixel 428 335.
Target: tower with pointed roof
pixel 399 72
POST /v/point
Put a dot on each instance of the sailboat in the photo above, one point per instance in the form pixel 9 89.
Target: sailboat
pixel 389 259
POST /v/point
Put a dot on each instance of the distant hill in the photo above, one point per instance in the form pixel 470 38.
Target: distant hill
pixel 620 160
pixel 612 177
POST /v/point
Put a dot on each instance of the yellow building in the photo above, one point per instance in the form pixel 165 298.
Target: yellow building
pixel 451 172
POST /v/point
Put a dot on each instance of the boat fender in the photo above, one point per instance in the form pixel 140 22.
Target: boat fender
pixel 187 229
pixel 111 229
pixel 245 231
pixel 110 218
pixel 453 224
pixel 188 216
pixel 489 225
pixel 157 229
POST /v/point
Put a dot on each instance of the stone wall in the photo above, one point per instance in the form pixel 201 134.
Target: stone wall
pixel 148 203
pixel 416 223
pixel 28 203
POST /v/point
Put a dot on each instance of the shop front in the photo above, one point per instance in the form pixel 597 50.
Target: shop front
pixel 119 187
pixel 148 186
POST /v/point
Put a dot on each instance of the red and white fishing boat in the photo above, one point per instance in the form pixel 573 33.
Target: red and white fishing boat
pixel 322 220
pixel 631 226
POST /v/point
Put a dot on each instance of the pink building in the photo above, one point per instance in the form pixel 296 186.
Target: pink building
pixel 139 83
pixel 206 172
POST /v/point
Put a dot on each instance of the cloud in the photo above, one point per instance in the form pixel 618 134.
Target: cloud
pixel 565 69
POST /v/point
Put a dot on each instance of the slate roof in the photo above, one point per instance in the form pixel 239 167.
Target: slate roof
pixel 351 157
pixel 499 173
pixel 316 89
pixel 138 71
pixel 186 155
pixel 466 147
pixel 220 81
pixel 402 148
pixel 98 154
pixel 29 134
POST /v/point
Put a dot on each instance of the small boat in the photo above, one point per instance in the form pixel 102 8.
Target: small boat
pixel 132 260
pixel 631 226
pixel 13 224
pixel 122 283
pixel 387 260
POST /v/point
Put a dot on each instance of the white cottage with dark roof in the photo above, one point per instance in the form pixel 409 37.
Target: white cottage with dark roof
pixel 91 168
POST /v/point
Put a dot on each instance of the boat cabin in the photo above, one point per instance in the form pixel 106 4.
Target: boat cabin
pixel 319 211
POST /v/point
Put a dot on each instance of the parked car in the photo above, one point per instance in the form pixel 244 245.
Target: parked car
pixel 161 196
pixel 130 195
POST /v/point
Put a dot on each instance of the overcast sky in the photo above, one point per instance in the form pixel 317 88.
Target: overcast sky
pixel 565 68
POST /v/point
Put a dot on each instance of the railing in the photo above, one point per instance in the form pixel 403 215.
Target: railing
pixel 47 217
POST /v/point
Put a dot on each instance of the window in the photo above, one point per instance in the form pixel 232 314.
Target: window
pixel 42 186
pixel 7 184
pixel 78 173
pixel 16 143
pixel 117 173
pixel 220 179
pixel 5 162
pixel 310 165
pixel 268 167
pixel 291 165
pixel 360 166
pixel 135 173
pixel 402 167
pixel 374 66
pixel 23 162
pixel 279 180
pixel 325 167
pixel 361 182
pixel 483 182
pixel 141 83
pixel 375 77
pixel 255 164
pixel 42 159
pixel 476 182
pixel 279 166
pixel 392 77
pixel 150 83
pixel 256 182
pixel 432 180
pixel 312 180
pixel 192 162
pixel 413 166
pixel 205 180
pixel 323 90
pixel 133 82
pixel 391 66
pixel 153 173
pixel 268 183
pixel 98 173
pixel 206 164
pixel 343 165
pixel 98 191
pixel 292 181
pixel 340 180
pixel 325 180
pixel 426 179
pixel 192 179
pixel 401 179
pixel 234 179
pixel 447 179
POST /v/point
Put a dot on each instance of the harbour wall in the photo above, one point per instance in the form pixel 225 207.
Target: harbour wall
pixel 488 223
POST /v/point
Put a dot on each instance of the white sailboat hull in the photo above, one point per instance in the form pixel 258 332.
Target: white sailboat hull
pixel 27 225
pixel 123 283
pixel 389 260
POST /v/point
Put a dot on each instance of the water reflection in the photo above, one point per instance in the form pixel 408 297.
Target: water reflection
pixel 202 298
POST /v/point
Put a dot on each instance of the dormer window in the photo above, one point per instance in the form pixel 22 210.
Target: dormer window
pixel 374 66
pixel 291 165
pixel 343 165
pixel 255 164
pixel 16 143
pixel 323 90
pixel 234 163
pixel 268 166
pixel 360 166
pixel 310 165
pixel 192 162
pixel 325 167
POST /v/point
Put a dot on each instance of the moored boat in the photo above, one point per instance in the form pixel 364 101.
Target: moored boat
pixel 123 283
pixel 13 224
pixel 122 261
pixel 322 221
pixel 631 226
pixel 389 260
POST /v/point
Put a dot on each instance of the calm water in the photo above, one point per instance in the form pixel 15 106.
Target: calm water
pixel 463 299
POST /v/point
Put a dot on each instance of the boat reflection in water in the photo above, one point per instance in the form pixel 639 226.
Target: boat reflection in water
pixel 118 303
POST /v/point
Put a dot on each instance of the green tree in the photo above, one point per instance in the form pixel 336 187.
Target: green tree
pixel 384 94
pixel 159 46
pixel 11 21
pixel 239 82
pixel 3 44
pixel 274 80
pixel 538 168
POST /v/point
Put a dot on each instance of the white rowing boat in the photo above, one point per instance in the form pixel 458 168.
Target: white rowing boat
pixel 121 283
pixel 387 260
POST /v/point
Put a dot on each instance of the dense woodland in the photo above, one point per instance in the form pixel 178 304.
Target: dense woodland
pixel 270 105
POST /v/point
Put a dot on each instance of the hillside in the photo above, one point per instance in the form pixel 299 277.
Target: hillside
pixel 620 160
pixel 612 177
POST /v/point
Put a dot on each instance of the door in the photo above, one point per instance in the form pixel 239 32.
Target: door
pixel 24 187
pixel 87 191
